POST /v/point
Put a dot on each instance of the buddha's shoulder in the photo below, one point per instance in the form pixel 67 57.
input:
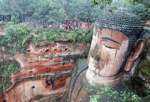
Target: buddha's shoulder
pixel 78 92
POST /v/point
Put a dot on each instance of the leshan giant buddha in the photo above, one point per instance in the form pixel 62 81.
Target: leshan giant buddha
pixel 115 51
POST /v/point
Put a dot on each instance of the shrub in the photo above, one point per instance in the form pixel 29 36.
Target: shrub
pixel 58 34
pixel 6 69
pixel 16 36
pixel 108 94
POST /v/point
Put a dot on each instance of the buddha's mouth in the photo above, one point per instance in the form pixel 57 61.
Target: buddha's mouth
pixel 104 68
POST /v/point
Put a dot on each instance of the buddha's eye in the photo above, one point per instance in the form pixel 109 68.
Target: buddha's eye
pixel 110 43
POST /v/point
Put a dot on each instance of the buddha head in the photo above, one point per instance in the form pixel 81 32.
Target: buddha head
pixel 116 46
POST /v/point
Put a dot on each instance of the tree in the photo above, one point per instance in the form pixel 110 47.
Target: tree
pixel 138 7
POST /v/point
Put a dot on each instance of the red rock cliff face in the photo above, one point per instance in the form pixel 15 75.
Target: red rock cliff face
pixel 45 71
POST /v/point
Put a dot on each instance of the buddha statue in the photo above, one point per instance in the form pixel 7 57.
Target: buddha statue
pixel 115 51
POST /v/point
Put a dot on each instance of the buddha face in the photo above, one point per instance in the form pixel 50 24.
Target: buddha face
pixel 108 53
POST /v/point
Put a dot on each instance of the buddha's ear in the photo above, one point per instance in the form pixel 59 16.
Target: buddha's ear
pixel 137 50
pixel 135 54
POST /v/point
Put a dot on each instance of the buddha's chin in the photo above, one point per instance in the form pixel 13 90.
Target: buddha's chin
pixel 108 69
pixel 96 79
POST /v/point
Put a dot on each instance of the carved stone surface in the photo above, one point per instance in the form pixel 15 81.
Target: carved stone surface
pixel 116 49
pixel 46 71
pixel 28 91
pixel 113 49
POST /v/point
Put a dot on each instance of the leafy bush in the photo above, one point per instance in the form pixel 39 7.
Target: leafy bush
pixel 144 68
pixel 140 82
pixel 142 11
pixel 58 34
pixel 108 94
pixel 16 37
pixel 6 69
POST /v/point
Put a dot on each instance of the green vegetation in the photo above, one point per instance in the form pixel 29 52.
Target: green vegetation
pixel 51 10
pixel 142 78
pixel 58 34
pixel 6 70
pixel 130 5
pixel 137 85
pixel 18 36
pixel 60 10
pixel 15 38
pixel 145 70
pixel 108 94
pixel 140 82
